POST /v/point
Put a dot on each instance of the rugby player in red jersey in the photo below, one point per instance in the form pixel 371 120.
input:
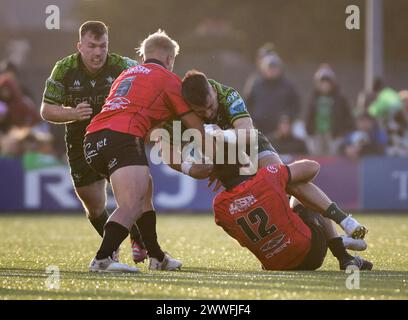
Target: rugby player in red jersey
pixel 256 212
pixel 141 98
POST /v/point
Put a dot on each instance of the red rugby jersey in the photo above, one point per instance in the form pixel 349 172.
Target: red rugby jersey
pixel 140 98
pixel 257 214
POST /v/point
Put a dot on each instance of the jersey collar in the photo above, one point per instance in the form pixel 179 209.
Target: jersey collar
pixel 155 61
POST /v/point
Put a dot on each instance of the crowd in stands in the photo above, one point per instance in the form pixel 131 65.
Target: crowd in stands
pixel 325 125
pixel 22 131
pixel 377 124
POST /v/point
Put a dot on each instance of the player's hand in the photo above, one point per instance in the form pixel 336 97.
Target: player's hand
pixel 201 171
pixel 211 180
pixel 83 111
pixel 211 129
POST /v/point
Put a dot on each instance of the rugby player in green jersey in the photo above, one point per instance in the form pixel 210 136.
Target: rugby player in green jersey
pixel 223 107
pixel 74 94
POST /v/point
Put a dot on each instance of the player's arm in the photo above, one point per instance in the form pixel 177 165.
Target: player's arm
pixel 238 116
pixel 52 108
pixel 303 171
pixel 187 166
pixel 60 114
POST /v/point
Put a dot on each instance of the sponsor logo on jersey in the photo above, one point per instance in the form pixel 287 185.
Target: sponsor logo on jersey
pixel 76 86
pixel 119 103
pixel 279 249
pixel 89 153
pixel 138 69
pixel 242 204
pixel 100 144
pixel 234 95
pixel 273 243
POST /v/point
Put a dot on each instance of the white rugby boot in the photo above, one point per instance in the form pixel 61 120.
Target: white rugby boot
pixel 168 263
pixel 353 228
pixel 353 244
pixel 110 265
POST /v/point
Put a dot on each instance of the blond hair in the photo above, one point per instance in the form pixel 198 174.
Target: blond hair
pixel 158 41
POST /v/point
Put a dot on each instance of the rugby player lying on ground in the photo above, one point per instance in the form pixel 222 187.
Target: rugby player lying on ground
pixel 254 210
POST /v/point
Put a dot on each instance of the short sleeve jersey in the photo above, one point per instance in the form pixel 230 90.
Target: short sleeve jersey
pixel 141 98
pixel 70 83
pixel 257 214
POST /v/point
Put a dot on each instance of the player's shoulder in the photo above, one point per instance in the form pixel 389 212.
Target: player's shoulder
pixel 63 66
pixel 116 60
pixel 172 79
pixel 227 95
pixel 280 171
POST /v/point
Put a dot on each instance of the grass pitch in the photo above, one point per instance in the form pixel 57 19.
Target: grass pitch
pixel 215 266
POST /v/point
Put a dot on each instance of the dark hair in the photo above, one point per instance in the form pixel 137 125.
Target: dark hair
pixel 195 88
pixel 97 28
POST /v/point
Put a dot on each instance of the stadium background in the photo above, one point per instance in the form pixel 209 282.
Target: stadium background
pixel 42 227
pixel 220 38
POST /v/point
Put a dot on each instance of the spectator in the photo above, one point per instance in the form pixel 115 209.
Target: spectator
pixel 284 141
pixel 17 108
pixel 399 134
pixel 12 142
pixel 38 151
pixel 367 139
pixel 267 48
pixel 386 102
pixel 328 117
pixel 272 96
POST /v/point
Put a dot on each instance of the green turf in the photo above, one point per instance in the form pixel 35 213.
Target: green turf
pixel 215 266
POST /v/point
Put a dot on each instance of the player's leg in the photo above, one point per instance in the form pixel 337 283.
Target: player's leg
pixel 129 185
pixel 302 172
pixel 158 260
pixel 335 243
pixel 90 188
pixel 93 199
pixel 110 159
pixel 308 193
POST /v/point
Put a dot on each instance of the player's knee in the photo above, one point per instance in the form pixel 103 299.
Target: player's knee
pixel 132 207
pixel 314 168
pixel 94 211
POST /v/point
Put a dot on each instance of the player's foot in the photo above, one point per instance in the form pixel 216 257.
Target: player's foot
pixel 168 263
pixel 354 244
pixel 115 255
pixel 110 265
pixel 353 228
pixel 357 261
pixel 139 253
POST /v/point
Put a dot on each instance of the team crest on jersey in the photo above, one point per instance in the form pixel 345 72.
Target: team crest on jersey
pixel 237 106
pixel 110 79
pixel 242 204
pixel 272 169
pixel 93 83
